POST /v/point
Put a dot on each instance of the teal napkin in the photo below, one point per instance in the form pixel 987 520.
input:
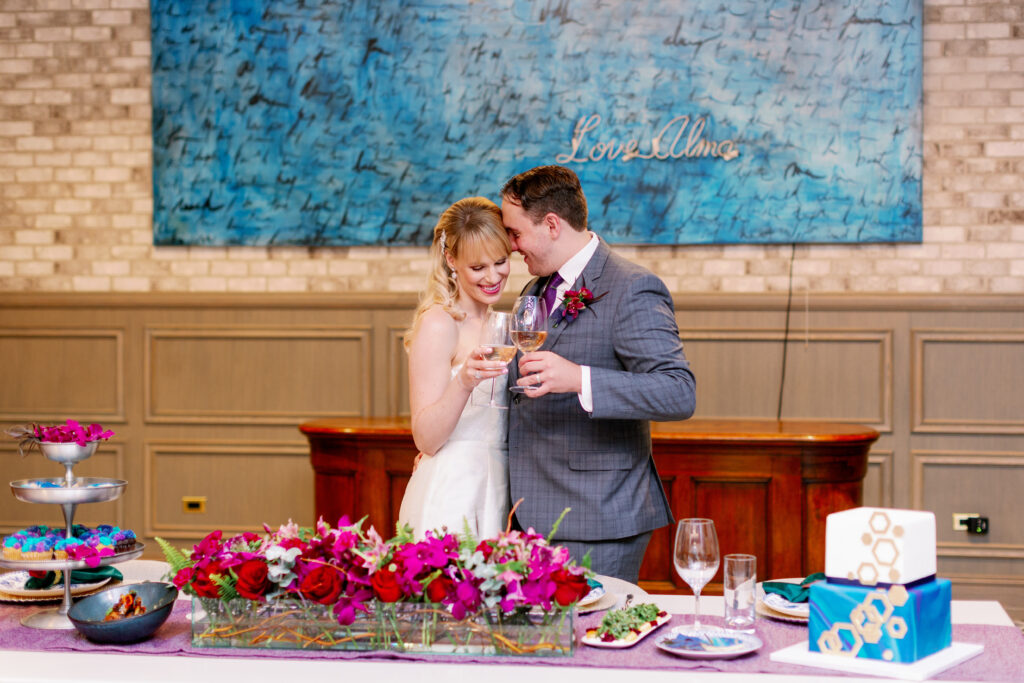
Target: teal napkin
pixel 77 576
pixel 794 592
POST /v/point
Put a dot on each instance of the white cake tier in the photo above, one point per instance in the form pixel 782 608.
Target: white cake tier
pixel 880 545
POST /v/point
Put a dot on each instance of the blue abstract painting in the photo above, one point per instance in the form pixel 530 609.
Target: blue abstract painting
pixel 356 122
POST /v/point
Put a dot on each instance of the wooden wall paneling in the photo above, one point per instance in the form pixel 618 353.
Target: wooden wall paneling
pixel 956 373
pixel 837 375
pixel 246 484
pixel 53 373
pixel 968 381
pixel 878 482
pixel 398 372
pixel 247 375
pixel 987 483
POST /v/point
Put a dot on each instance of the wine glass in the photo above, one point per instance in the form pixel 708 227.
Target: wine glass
pixel 497 334
pixel 696 558
pixel 529 327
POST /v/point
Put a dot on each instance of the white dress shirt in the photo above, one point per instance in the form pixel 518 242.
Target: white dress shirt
pixel 570 272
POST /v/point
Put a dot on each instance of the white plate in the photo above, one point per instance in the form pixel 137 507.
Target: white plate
pixel 608 600
pixel 765 611
pixel 595 594
pixel 618 644
pixel 13 583
pixel 708 643
pixel 780 604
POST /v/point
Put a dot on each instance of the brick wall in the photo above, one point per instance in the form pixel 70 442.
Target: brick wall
pixel 76 197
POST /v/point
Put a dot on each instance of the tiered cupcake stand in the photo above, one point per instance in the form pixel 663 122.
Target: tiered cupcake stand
pixel 68 492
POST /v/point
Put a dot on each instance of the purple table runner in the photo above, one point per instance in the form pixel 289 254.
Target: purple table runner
pixel 1002 660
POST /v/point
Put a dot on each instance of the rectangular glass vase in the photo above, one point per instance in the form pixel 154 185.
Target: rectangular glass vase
pixel 392 627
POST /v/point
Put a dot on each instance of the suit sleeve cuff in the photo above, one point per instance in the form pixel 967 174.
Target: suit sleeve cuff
pixel 586 396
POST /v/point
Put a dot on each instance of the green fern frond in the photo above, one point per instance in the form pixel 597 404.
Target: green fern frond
pixel 403 534
pixel 226 584
pixel 468 541
pixel 175 557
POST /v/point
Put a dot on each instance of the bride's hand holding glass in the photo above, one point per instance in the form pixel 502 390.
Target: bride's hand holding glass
pixel 480 366
pixel 496 337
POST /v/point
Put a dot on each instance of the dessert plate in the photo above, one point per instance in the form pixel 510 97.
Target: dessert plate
pixel 595 594
pixel 767 612
pixel 607 601
pixel 13 584
pixel 622 643
pixel 777 603
pixel 709 643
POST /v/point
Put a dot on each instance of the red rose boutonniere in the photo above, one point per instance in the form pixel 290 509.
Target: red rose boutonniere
pixel 577 300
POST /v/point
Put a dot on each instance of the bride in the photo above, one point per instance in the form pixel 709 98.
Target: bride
pixel 463 471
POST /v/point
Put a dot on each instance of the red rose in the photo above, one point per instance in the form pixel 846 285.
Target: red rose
pixel 252 579
pixel 569 588
pixel 439 589
pixel 202 582
pixel 322 584
pixel 485 548
pixel 385 586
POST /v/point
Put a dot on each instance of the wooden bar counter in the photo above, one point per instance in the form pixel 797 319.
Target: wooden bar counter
pixel 767 484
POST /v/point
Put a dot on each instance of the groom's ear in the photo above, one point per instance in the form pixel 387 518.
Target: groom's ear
pixel 553 224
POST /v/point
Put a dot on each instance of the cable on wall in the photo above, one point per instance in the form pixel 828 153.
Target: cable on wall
pixel 785 335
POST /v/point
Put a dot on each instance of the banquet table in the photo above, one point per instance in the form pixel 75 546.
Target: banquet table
pixel 28 662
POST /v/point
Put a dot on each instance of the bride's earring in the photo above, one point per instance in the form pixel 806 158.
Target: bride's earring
pixel 455 276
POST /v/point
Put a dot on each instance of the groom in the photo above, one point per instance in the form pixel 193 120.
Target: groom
pixel 580 437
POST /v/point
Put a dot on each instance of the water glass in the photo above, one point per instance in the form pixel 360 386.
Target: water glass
pixel 739 585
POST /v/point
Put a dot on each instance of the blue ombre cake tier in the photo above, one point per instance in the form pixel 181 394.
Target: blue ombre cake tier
pixel 889 623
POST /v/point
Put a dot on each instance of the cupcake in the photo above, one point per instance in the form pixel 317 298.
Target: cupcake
pixel 12 548
pixel 37 549
pixel 60 550
pixel 124 541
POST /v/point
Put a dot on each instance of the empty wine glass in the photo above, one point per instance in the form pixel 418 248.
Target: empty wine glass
pixel 497 334
pixel 529 327
pixel 696 557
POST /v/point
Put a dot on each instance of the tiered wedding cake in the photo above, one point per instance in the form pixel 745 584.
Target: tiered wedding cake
pixel 882 600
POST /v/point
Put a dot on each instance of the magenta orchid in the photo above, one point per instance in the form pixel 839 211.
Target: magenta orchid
pixel 31 436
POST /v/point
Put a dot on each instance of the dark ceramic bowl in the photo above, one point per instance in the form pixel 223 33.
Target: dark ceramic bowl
pixel 88 613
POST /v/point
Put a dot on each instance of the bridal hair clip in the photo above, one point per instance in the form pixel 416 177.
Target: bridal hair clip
pixel 441 241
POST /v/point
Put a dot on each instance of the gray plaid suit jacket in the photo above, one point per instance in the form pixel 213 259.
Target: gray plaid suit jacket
pixel 600 464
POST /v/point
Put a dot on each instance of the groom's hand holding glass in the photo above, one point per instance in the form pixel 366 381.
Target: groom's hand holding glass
pixel 544 372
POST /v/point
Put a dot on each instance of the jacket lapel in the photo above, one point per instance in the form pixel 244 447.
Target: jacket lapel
pixel 592 276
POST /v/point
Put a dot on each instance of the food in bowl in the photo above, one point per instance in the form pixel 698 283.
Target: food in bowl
pixel 129 605
pixel 89 614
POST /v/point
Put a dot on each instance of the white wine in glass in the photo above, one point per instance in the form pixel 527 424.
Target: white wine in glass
pixel 502 353
pixel 529 327
pixel 696 558
pixel 497 334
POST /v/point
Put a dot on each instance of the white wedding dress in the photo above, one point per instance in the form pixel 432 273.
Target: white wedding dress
pixel 467 479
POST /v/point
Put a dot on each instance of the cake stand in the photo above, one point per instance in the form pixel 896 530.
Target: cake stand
pixel 68 492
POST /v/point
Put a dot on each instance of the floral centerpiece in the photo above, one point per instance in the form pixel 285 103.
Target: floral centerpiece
pixel 345 587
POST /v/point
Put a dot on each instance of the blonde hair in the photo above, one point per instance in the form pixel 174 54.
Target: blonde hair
pixel 470 225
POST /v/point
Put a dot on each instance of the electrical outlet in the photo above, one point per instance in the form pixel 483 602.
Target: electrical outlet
pixel 960 520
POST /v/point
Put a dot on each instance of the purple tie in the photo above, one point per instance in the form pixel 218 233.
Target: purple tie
pixel 552 291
